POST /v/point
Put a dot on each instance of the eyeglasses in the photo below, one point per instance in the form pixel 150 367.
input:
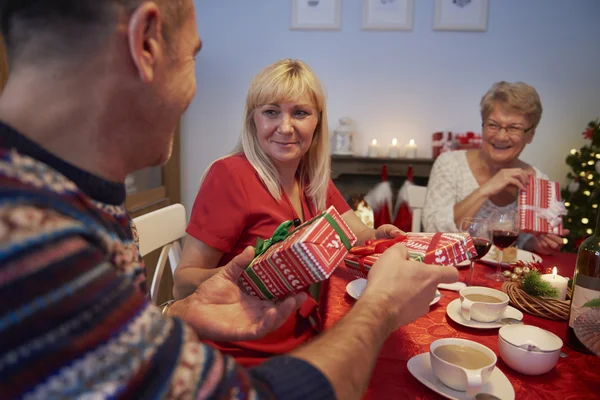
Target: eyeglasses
pixel 493 128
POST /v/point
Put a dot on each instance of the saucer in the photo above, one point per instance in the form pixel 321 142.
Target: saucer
pixel 420 367
pixel 525 256
pixel 455 287
pixel 357 286
pixel 453 311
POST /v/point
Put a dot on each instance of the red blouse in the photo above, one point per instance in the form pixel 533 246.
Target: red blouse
pixel 232 209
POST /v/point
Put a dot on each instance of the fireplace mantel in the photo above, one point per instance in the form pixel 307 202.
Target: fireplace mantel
pixel 357 175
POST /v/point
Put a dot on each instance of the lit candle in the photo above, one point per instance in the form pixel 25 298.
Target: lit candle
pixel 558 282
pixel 411 149
pixel 394 150
pixel 373 149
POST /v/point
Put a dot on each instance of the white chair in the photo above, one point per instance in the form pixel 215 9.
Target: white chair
pixel 416 201
pixel 162 229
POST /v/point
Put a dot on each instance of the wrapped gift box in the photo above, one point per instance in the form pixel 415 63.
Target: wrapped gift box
pixel 468 140
pixel 430 248
pixel 294 261
pixel 540 208
pixel 441 142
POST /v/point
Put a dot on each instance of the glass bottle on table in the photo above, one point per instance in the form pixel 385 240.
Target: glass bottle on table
pixel 479 230
pixel 505 231
pixel 584 313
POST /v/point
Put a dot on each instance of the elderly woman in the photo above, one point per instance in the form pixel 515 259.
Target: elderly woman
pixel 475 183
pixel 280 171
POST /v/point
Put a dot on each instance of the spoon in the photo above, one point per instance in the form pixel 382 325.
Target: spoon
pixel 533 347
pixel 528 347
pixel 486 396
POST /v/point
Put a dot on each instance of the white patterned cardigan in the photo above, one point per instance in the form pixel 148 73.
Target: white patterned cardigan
pixel 450 182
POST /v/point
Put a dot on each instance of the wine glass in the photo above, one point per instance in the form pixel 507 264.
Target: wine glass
pixel 479 229
pixel 505 231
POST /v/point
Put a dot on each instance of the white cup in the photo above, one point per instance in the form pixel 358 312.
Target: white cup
pixel 481 311
pixel 457 377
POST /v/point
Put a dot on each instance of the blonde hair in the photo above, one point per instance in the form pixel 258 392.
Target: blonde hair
pixel 519 97
pixel 288 81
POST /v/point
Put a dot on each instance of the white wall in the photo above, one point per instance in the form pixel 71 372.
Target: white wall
pixel 400 84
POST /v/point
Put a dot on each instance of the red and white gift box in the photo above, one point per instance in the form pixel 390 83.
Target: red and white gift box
pixel 540 208
pixel 468 140
pixel 441 142
pixel 308 255
pixel 431 248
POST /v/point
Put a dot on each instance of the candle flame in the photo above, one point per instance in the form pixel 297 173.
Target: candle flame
pixel 411 141
pixel 374 141
pixel 394 142
pixel 554 273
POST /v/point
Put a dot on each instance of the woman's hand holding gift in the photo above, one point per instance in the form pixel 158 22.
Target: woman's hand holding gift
pixel 387 231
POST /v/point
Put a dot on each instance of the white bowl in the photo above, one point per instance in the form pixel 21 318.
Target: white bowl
pixel 512 339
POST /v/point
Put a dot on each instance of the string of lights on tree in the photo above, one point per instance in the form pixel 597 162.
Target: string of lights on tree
pixel 582 194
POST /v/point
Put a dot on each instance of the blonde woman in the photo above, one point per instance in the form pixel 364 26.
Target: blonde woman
pixel 475 183
pixel 279 171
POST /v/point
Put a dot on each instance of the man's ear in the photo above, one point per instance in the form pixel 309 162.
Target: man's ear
pixel 145 34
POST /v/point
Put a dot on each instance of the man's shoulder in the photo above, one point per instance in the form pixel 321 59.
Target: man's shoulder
pixel 39 206
pixel 22 173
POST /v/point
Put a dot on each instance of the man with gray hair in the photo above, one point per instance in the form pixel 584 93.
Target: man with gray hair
pixel 95 91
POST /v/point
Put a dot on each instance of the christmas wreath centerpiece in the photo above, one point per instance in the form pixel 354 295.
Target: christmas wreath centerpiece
pixel 529 293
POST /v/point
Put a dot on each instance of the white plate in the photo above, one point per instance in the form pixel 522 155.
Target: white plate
pixel 453 311
pixel 455 287
pixel 420 367
pixel 357 286
pixel 522 255
pixel 463 264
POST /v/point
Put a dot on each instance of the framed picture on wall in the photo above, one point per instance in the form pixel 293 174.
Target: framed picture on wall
pixel 316 14
pixel 461 15
pixel 388 15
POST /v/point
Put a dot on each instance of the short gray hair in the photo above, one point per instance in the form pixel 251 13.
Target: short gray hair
pixel 517 96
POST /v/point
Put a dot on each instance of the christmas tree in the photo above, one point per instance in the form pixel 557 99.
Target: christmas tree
pixel 581 196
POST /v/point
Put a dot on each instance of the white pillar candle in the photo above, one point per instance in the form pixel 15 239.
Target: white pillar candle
pixel 558 282
pixel 394 150
pixel 373 150
pixel 410 150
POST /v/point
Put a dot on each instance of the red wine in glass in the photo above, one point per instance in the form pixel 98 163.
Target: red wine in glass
pixel 504 239
pixel 482 246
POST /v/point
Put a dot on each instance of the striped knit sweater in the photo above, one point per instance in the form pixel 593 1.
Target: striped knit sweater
pixel 74 317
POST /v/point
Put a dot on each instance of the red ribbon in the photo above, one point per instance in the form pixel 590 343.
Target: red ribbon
pixel 378 246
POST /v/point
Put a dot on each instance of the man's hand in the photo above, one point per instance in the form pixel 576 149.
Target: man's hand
pixel 546 243
pixel 402 287
pixel 219 310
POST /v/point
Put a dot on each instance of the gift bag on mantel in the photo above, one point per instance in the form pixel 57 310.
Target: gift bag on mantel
pixel 430 248
pixel 540 208
pixel 289 262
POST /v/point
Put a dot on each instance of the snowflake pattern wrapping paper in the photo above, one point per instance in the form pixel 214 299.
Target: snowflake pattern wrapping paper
pixel 308 255
pixel 431 248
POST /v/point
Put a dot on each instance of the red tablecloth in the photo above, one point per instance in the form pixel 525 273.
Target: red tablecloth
pixel 574 377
